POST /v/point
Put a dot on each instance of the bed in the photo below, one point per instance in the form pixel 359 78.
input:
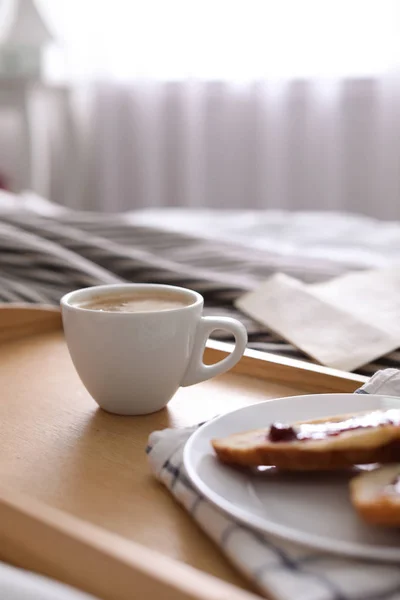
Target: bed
pixel 46 251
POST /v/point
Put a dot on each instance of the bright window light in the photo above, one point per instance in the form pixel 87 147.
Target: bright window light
pixel 226 39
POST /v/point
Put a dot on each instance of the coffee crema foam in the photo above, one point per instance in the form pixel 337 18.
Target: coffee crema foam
pixel 137 302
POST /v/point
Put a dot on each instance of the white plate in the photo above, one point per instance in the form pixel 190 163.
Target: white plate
pixel 311 509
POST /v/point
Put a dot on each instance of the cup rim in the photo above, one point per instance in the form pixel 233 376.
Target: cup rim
pixel 88 292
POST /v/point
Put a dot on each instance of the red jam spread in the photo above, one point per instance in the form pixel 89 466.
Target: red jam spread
pixel 279 432
pixel 282 433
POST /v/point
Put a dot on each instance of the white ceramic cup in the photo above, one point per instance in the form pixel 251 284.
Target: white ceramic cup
pixel 132 363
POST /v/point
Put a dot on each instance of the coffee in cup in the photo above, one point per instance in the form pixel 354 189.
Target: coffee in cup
pixel 136 302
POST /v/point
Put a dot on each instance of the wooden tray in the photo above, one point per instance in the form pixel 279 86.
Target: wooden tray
pixel 73 476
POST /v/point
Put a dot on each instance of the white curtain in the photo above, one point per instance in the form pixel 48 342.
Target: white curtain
pixel 292 105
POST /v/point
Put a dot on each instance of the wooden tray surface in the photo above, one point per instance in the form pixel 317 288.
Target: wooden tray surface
pixel 59 448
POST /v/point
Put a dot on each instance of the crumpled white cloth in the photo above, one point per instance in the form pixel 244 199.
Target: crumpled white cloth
pixel 17 584
pixel 282 569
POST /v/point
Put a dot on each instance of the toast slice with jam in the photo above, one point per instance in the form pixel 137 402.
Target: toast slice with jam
pixel 376 495
pixel 336 442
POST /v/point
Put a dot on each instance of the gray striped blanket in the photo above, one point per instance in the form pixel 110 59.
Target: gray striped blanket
pixel 43 256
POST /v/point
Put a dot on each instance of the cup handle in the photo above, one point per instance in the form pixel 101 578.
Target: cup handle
pixel 197 371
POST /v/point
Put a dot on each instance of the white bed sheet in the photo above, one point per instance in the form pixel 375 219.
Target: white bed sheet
pixel 351 240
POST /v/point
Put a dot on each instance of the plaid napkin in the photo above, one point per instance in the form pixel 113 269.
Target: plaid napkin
pixel 279 568
pixel 17 584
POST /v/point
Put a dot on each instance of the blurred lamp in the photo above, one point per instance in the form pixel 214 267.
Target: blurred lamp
pixel 23 37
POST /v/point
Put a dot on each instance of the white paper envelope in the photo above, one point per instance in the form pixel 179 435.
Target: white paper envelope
pixel 343 323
